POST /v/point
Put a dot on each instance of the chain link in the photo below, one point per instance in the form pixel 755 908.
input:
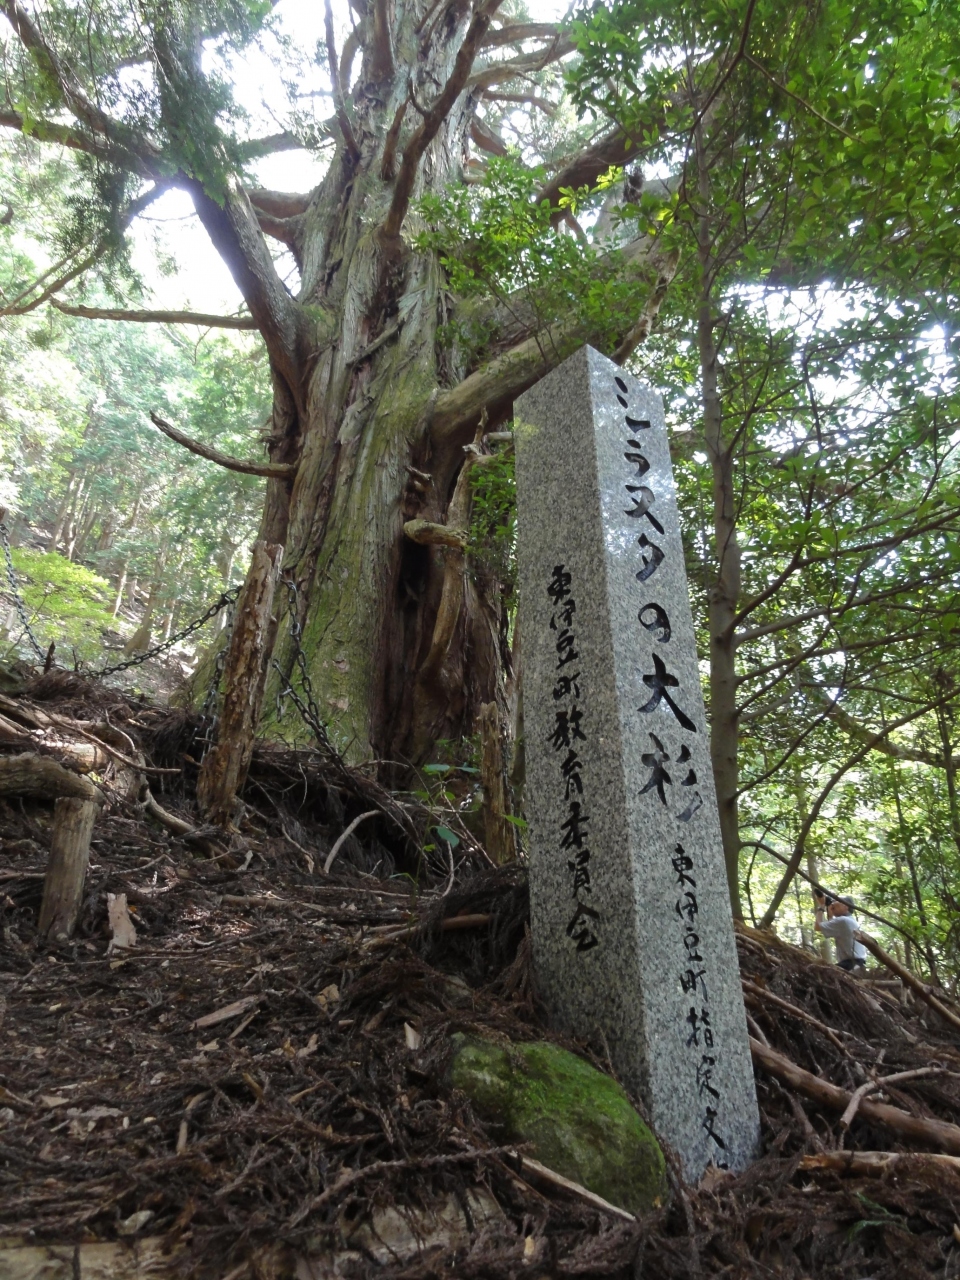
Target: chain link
pixel 15 592
pixel 227 598
pixel 307 705
pixel 209 710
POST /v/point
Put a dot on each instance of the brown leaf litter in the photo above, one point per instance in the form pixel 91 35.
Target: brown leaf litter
pixel 267 1065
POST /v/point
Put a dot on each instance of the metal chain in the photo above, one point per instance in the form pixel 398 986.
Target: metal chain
pixel 307 705
pixel 15 592
pixel 227 598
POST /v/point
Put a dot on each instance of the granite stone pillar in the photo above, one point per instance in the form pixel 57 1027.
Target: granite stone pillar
pixel 632 932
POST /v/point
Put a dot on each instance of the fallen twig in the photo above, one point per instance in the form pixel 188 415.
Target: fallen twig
pixel 936 1132
pixel 177 825
pixel 877 1163
pixel 589 1197
pixel 868 1087
pixel 225 1014
pixel 371 813
pixel 769 997
pixel 449 925
pixel 349 1177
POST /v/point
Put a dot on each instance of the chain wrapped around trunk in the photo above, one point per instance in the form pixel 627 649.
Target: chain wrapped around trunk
pixel 307 705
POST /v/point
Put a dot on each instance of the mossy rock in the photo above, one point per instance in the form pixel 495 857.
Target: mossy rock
pixel 578 1121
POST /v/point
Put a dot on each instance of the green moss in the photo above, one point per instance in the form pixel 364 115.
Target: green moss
pixel 578 1121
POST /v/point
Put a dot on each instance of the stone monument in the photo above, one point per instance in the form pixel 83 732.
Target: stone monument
pixel 632 931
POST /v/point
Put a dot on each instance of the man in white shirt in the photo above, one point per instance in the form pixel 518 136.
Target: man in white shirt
pixel 841 925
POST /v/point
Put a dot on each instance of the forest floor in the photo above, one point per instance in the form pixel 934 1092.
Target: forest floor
pixel 263 1077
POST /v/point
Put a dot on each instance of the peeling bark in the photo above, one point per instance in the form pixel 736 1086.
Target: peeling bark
pixel 225 766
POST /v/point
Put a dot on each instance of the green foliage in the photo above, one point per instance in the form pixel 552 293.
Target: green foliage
pixel 492 543
pixel 812 193
pixel 65 602
pixel 495 241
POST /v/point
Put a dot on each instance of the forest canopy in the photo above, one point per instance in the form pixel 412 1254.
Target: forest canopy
pixel 752 206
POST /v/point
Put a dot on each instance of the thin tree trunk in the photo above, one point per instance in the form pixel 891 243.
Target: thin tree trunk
pixel 67 870
pixel 121 587
pixel 912 868
pixel 498 832
pixel 72 530
pixel 225 766
pixel 950 773
pixel 725 593
pixel 813 870
pixel 140 640
pixel 63 514
pixel 83 537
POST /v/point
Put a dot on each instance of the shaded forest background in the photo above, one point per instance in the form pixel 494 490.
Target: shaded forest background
pixel 792 178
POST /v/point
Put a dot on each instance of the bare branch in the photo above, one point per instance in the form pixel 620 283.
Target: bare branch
pixel 485 138
pixel 435 535
pixel 346 128
pixel 388 162
pixel 548 108
pixel 435 116
pixel 288 231
pixel 517 31
pixel 272 143
pixel 525 65
pixel 641 330
pixel 351 47
pixel 232 225
pixel 275 470
pixel 382 68
pixel 279 204
pixel 584 169
pixel 155 317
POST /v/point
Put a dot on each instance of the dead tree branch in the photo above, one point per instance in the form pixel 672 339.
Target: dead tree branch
pixel 935 1132
pixel 275 470
pixel 154 317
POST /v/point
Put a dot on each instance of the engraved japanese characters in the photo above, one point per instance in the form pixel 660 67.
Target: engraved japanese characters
pixel 633 940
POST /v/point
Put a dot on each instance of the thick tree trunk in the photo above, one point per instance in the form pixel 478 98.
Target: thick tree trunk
pixel 121 587
pixel 369 597
pixel 373 404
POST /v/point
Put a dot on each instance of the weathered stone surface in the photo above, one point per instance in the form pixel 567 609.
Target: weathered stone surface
pixel 579 1121
pixel 632 933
